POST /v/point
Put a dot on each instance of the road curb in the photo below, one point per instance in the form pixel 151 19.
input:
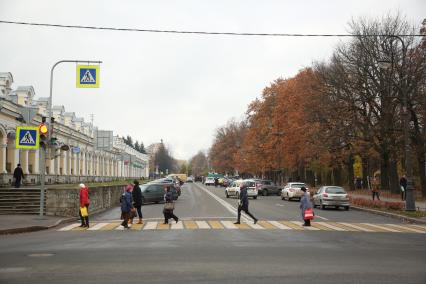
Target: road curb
pixel 35 228
pixel 392 215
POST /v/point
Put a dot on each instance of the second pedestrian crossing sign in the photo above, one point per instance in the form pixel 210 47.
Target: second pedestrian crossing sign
pixel 27 137
pixel 87 76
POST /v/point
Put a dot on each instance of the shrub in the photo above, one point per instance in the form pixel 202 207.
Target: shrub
pixel 364 202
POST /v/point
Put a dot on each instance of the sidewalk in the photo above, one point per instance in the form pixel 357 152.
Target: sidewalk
pixel 12 224
pixel 419 204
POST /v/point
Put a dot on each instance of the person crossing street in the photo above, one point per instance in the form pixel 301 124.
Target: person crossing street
pixel 137 199
pixel 243 204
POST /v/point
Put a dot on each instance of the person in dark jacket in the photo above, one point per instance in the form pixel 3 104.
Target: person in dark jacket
pixel 168 213
pixel 137 199
pixel 126 205
pixel 84 202
pixel 18 174
pixel 403 185
pixel 243 204
pixel 305 203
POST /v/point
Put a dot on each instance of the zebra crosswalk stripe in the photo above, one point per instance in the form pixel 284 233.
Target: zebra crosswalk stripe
pixel 279 225
pixel 356 227
pixel 254 226
pixel 69 227
pixel 177 226
pixel 381 227
pixel 202 225
pixel 229 225
pixel 150 225
pixel 97 226
pixel 331 226
pixel 410 229
pixel 305 228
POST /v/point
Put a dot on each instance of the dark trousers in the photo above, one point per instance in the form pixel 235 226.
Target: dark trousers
pixel 84 220
pixel 126 217
pixel 241 208
pixel 402 195
pixel 376 193
pixel 169 214
pixel 307 222
pixel 17 182
pixel 138 208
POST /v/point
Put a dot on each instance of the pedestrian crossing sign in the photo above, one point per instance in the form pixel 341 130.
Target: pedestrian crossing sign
pixel 87 76
pixel 27 137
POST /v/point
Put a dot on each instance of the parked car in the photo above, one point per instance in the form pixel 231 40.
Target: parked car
pixel 190 179
pixel 293 190
pixel 209 181
pixel 331 196
pixel 154 192
pixel 234 188
pixel 267 187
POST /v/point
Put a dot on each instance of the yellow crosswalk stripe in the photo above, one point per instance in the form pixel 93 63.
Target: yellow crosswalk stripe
pixel 190 225
pixel 291 225
pixel 418 227
pixel 110 226
pixel 358 227
pixel 137 227
pixel 403 229
pixel 266 225
pixel 321 227
pixel 162 226
pixel 379 228
pixel 242 226
pixel 215 225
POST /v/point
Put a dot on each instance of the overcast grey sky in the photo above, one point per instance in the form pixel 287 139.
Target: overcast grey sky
pixel 178 88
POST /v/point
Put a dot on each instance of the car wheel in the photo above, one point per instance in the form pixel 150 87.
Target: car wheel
pixel 226 194
pixel 322 206
pixel 282 197
pixel 278 193
pixel 254 197
pixel 265 192
pixel 288 197
pixel 346 208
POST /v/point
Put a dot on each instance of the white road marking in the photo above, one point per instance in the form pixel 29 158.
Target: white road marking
pixel 280 226
pixel 331 226
pixel 306 228
pixel 69 227
pixel 406 228
pixel 355 227
pixel 177 226
pixel 97 226
pixel 254 226
pixel 120 228
pixel 228 225
pixel 317 216
pixel 381 227
pixel 202 224
pixel 228 206
pixel 150 226
pixel 281 205
pixel 418 226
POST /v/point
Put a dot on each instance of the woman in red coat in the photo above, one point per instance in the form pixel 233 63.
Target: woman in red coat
pixel 84 203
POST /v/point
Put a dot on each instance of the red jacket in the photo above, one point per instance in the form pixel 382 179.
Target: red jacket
pixel 84 196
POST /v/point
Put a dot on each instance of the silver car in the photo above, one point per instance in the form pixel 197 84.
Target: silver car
pixel 331 196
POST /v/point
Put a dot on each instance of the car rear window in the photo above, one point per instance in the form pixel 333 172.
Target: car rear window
pixel 335 190
pixel 250 184
pixel 267 182
pixel 298 185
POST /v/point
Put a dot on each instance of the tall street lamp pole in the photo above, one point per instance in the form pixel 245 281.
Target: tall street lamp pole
pixel 43 150
pixel 410 194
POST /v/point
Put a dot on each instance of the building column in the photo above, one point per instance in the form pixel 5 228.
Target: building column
pixel 24 161
pixel 74 164
pixel 3 153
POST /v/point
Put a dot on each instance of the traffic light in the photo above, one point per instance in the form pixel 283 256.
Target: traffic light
pixel 43 131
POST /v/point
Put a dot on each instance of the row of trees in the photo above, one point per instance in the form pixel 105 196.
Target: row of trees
pixel 128 140
pixel 315 125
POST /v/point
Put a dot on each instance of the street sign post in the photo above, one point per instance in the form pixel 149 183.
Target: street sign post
pixel 27 137
pixel 87 76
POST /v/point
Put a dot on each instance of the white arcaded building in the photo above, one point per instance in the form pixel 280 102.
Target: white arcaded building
pixel 94 155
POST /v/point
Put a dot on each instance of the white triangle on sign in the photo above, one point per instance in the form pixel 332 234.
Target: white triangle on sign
pixel 27 139
pixel 88 78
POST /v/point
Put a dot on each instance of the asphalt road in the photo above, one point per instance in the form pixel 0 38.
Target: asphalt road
pixel 216 256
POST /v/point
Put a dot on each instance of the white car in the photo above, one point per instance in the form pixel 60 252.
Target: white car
pixel 293 190
pixel 209 181
pixel 234 188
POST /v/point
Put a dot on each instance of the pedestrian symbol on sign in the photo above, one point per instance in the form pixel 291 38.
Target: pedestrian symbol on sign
pixel 27 139
pixel 87 76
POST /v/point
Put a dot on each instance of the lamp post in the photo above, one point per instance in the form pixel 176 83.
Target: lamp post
pixel 43 150
pixel 410 198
